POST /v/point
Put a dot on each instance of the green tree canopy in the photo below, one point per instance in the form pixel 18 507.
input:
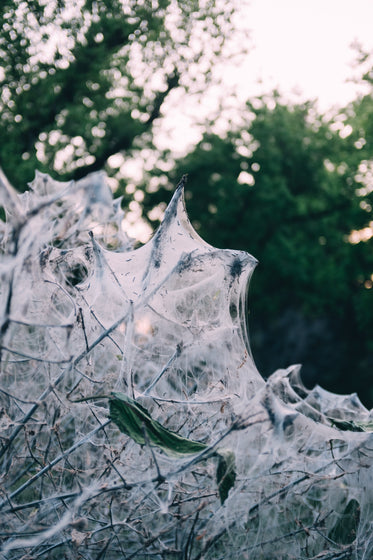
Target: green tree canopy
pixel 84 80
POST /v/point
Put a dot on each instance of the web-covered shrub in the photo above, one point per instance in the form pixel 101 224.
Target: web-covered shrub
pixel 115 361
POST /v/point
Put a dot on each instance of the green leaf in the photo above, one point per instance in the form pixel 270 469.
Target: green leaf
pixel 344 531
pixel 352 425
pixel 135 421
pixel 225 473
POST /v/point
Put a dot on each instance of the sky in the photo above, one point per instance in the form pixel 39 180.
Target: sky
pixel 301 47
pixel 306 46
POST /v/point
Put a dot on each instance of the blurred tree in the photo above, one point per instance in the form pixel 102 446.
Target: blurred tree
pixel 83 80
pixel 284 187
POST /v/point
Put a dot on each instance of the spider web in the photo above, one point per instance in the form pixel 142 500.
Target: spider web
pixel 84 314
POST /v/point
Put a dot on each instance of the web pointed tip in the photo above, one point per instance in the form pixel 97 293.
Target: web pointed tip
pixel 183 181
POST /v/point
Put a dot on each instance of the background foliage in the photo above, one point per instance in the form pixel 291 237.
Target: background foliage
pixel 85 86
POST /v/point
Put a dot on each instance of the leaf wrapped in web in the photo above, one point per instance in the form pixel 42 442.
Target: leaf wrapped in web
pixel 135 421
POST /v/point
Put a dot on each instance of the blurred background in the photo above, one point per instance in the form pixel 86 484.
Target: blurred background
pixel 266 105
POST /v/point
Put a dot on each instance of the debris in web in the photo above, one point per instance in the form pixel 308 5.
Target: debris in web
pixel 133 421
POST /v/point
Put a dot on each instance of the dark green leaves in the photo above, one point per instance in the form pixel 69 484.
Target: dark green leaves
pixel 225 473
pixel 352 425
pixel 344 531
pixel 135 421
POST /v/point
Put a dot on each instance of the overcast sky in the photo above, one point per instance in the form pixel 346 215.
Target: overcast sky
pixel 296 46
pixel 305 45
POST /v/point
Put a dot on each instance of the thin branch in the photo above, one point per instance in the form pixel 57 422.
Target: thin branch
pixel 63 455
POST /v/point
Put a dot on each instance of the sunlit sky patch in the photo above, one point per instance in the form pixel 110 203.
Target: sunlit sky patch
pixel 302 48
pixel 305 46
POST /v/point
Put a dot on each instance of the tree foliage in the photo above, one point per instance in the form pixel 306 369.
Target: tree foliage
pixel 82 81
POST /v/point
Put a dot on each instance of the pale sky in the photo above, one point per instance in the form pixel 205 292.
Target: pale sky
pixel 306 45
pixel 301 47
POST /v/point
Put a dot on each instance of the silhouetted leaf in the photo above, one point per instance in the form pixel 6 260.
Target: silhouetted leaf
pixel 344 531
pixel 352 425
pixel 225 473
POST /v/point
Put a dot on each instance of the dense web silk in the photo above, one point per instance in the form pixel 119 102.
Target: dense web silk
pixel 283 472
